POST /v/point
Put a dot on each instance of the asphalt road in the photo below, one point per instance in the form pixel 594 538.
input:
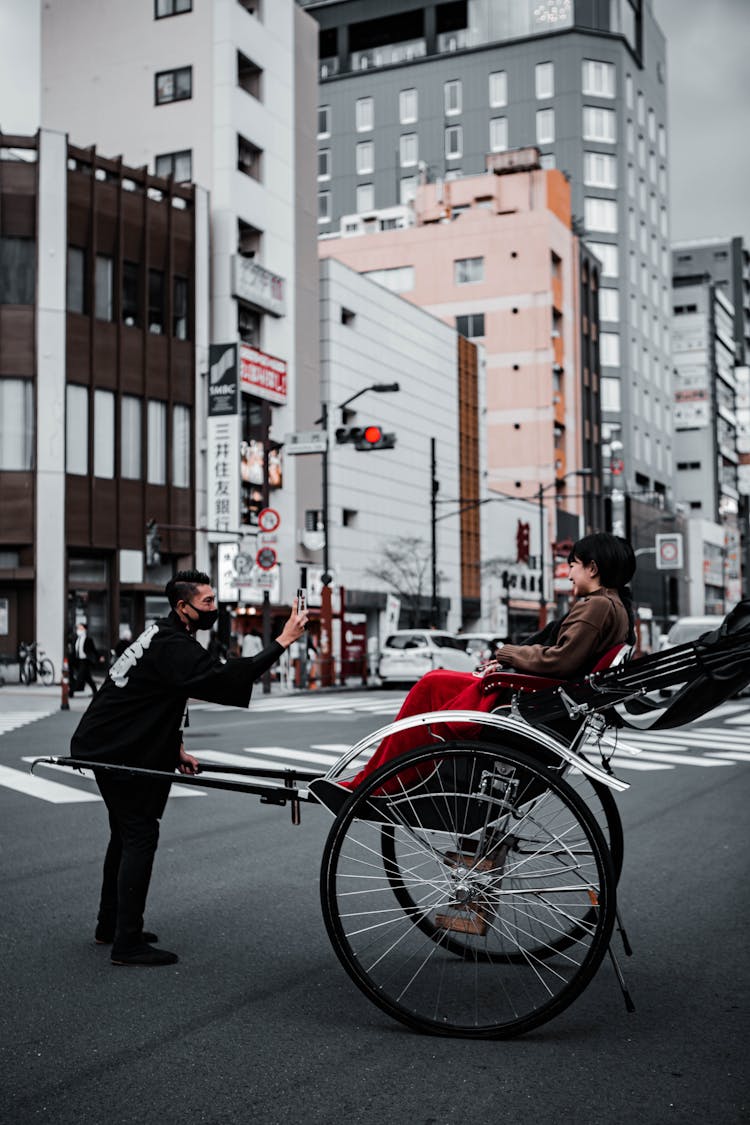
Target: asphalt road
pixel 259 1023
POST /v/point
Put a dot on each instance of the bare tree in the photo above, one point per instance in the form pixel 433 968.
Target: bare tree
pixel 404 565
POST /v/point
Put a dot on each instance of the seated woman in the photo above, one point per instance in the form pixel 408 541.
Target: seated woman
pixel 601 566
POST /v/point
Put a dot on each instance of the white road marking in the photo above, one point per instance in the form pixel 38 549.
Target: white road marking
pixel 12 720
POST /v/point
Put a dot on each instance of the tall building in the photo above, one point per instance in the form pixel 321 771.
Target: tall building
pixel 424 91
pixel 711 340
pixel 495 255
pixel 220 93
pixel 99 267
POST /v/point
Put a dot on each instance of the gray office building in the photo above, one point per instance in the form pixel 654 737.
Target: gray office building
pixel 410 91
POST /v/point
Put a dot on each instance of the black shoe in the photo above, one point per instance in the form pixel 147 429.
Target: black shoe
pixel 144 955
pixel 105 936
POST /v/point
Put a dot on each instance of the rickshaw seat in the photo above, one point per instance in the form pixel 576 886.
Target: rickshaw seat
pixel 530 683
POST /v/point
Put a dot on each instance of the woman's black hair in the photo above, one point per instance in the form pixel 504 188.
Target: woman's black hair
pixel 615 561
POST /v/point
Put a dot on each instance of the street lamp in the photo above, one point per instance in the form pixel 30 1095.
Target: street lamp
pixel 325 601
pixel 540 497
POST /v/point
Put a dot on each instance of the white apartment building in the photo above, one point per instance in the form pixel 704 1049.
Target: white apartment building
pixel 223 93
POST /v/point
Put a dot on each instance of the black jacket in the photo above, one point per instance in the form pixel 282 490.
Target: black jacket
pixel 136 717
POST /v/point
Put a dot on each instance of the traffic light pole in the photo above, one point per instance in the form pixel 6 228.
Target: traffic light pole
pixel 325 656
pixel 434 488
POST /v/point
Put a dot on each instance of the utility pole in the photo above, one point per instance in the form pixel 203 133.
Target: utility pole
pixel 434 489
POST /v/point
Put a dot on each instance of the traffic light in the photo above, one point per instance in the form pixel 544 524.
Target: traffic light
pixel 153 544
pixel 365 437
pixel 523 535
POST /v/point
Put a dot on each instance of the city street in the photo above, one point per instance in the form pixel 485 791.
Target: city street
pixel 259 1022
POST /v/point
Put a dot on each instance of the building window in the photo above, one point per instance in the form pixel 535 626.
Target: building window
pixel 408 149
pixel 610 395
pixel 398 280
pixel 248 325
pixel 16 425
pixel 471 326
pixel 468 271
pixel 498 134
pixel 544 80
pixel 76 430
pixel 164 8
pixel 608 255
pixel 249 158
pixel 629 90
pixel 364 114
pixel 630 136
pixel 609 349
pixel 174 85
pixel 452 97
pixel 249 76
pixel 499 88
pixel 454 135
pixel 599 170
pixel 17 270
pixel 365 158
pixel 641 108
pixel 130 302
pixel 156 302
pixel 599 79
pixel 104 434
pixel 324 206
pixel 180 308
pixel 324 121
pixel 407 190
pixel 545 126
pixel 76 282
pixel 157 443
pixel 103 286
pixel 130 437
pixel 181 446
pixel 365 198
pixel 407 106
pixel 179 165
pixel 662 141
pixel 609 304
pixel 324 164
pixel 599 124
pixel 600 214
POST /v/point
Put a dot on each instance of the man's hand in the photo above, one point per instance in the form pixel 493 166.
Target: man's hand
pixel 188 764
pixel 294 627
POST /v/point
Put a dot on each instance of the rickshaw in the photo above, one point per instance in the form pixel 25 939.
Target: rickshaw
pixel 469 886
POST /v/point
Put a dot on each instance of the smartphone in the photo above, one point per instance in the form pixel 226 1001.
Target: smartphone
pixel 301 599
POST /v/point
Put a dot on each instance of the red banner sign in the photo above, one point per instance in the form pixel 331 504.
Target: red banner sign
pixel 262 375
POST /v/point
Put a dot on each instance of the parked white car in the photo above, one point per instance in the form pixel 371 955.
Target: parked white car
pixel 689 629
pixel 408 653
pixel 480 646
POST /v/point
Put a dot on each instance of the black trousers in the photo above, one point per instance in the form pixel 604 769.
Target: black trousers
pixel 82 675
pixel 135 806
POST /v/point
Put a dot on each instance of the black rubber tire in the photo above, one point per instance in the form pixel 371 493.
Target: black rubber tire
pixel 46 671
pixel 438 796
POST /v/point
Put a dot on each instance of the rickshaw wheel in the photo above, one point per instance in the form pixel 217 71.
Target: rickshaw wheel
pixel 473 849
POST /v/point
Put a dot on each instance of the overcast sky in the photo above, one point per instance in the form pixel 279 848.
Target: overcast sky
pixel 708 43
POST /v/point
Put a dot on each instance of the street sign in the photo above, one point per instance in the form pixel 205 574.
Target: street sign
pixel 266 558
pixel 669 552
pixel 268 519
pixel 306 441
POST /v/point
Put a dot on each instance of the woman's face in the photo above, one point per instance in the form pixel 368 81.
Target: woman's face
pixel 584 576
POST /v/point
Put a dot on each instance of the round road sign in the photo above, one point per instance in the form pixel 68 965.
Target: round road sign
pixel 268 519
pixel 266 558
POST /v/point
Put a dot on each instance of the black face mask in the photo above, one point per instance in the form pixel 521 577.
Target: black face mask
pixel 206 619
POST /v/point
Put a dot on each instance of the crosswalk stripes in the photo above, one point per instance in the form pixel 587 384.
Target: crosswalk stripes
pixel 700 747
pixel 12 720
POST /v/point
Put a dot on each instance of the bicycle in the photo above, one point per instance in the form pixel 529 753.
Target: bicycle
pixel 33 665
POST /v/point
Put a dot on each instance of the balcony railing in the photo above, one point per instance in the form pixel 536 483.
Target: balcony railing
pixel 389 55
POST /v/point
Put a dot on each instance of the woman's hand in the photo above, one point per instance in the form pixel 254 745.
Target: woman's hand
pixel 294 627
pixel 188 764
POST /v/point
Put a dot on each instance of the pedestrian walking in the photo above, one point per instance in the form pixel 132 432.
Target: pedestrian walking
pixel 137 719
pixel 85 659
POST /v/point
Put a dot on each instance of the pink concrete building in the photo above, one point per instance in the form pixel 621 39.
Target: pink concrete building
pixel 495 255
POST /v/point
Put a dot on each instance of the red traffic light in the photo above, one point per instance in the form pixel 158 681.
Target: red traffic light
pixel 372 434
